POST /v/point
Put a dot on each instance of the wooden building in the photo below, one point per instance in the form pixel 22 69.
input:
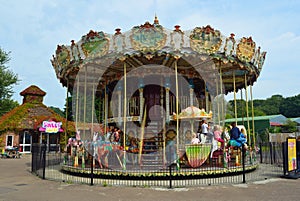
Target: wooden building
pixel 23 126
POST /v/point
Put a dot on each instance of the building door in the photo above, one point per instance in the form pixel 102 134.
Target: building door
pixel 51 141
pixel 44 139
pixel 25 142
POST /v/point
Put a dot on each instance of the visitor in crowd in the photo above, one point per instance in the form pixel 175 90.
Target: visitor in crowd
pixel 243 137
pixel 109 136
pixel 195 140
pixel 217 135
pixel 237 139
pixel 133 149
pixel 133 146
pixel 188 137
pixel 226 133
pixel 116 136
pixel 204 130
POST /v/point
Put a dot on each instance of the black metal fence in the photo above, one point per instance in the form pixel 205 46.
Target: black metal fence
pixel 265 163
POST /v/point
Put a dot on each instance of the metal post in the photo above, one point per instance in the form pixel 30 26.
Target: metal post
pixel 243 158
pixel 260 152
pixel 284 157
pixel 271 152
pixel 170 177
pixel 33 156
pixel 274 153
pixel 92 166
pixel 44 160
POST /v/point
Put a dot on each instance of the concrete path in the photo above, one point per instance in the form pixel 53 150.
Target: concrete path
pixel 18 184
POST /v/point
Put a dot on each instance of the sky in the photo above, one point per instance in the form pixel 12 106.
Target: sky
pixel 31 30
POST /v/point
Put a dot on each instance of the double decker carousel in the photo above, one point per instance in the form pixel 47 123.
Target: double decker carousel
pixel 139 96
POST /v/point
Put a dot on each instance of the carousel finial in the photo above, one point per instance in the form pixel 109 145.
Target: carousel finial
pixel 156 20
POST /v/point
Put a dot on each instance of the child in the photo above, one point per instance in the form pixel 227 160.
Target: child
pixel 195 140
pixel 217 135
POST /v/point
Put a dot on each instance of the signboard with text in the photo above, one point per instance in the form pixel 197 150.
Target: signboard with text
pixel 51 127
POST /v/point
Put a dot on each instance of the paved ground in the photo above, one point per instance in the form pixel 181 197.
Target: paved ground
pixel 17 183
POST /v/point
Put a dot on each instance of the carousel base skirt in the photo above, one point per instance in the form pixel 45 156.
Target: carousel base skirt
pixel 162 174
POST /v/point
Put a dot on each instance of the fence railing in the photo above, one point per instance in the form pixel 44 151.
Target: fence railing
pixel 267 162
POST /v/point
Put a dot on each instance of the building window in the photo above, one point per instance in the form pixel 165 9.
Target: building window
pixel 9 140
pixel 25 142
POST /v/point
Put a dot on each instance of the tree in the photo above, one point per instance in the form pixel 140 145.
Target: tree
pixel 289 126
pixel 7 80
pixel 58 111
pixel 290 107
pixel 68 106
pixel 241 108
pixel 271 105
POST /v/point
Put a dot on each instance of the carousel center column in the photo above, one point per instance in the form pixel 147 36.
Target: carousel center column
pixel 191 83
pixel 119 92
pixel 167 86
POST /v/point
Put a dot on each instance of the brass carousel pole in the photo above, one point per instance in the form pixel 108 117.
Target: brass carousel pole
pixel 222 103
pixel 84 100
pixel 242 107
pixel 166 120
pixel 124 117
pixel 206 97
pixel 234 90
pixel 93 105
pixel 177 112
pixel 105 107
pixel 218 102
pixel 142 135
pixel 162 144
pixel 67 108
pixel 77 103
pixel 247 112
pixel 252 108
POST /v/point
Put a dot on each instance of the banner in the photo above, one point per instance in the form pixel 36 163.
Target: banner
pixel 291 148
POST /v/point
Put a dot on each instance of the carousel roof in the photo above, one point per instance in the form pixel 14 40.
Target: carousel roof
pixel 200 53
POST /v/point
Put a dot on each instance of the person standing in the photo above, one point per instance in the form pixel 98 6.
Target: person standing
pixel 204 130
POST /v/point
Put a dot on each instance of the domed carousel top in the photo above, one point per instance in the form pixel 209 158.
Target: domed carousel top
pixel 153 44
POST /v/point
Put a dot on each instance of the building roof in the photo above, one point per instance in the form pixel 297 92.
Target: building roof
pixel 33 90
pixel 275 124
pixel 275 119
pixel 296 119
pixel 31 113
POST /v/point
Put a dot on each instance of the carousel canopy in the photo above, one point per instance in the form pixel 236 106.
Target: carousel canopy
pixel 202 49
pixel 193 112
